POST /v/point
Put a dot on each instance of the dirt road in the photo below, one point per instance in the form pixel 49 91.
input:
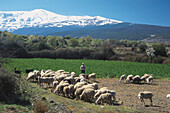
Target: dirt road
pixel 128 93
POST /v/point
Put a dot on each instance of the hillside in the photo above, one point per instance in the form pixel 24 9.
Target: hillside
pixel 120 31
pixel 46 23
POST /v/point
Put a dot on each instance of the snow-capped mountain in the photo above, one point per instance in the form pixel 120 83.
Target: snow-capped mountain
pixel 39 18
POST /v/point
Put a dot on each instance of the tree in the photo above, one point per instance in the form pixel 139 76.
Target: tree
pixel 74 42
pixel 159 50
pixel 150 51
pixel 88 40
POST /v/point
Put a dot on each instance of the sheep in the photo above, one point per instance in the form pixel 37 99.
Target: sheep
pixel 94 85
pixel 146 75
pixel 59 88
pixel 69 79
pixel 37 73
pixel 123 77
pixel 60 78
pixel 66 91
pixel 105 90
pixel 82 74
pixel 87 94
pixel 79 91
pixel 168 96
pixel 76 80
pixel 143 78
pixel 149 80
pixel 60 71
pixel 101 91
pixel 145 95
pixel 55 83
pixel 48 80
pixel 129 78
pixel 136 79
pixel 71 88
pixel 79 84
pixel 92 76
pixel 31 75
pixel 73 74
pixel 83 80
pixel 106 97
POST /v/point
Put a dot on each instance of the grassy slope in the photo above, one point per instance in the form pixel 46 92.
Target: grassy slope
pixel 102 68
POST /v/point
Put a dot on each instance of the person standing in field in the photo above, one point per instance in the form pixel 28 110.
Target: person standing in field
pixel 83 68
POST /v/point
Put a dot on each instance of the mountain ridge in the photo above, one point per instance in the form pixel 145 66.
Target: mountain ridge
pixel 13 20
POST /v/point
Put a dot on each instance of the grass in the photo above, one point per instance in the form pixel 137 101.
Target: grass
pixel 13 108
pixel 80 106
pixel 101 67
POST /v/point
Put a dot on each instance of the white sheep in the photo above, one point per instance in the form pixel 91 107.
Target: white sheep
pixel 136 79
pixel 48 80
pixel 123 77
pixel 101 91
pixel 143 78
pixel 79 91
pixel 55 83
pixel 106 97
pixel 129 78
pixel 92 76
pixel 79 84
pixel 87 94
pixel 59 88
pixel 31 75
pixel 71 88
pixel 149 80
pixel 66 91
pixel 94 85
pixel 168 96
pixel 145 95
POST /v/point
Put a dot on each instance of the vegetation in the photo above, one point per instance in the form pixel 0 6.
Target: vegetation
pixel 101 67
pixel 29 46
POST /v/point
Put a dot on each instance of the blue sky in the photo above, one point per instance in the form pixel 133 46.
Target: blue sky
pixel 153 12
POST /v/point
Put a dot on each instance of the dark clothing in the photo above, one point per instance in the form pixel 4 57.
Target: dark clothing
pixel 83 68
pixel 83 71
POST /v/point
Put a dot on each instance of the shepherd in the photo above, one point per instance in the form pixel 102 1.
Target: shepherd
pixel 83 68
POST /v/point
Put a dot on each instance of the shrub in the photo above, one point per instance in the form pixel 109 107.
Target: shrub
pixel 40 107
pixel 10 87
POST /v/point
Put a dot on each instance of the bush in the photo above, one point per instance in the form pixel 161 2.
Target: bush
pixel 40 107
pixel 9 87
pixel 159 50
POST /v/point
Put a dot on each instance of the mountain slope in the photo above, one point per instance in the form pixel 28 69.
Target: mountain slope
pixel 40 18
pixel 42 22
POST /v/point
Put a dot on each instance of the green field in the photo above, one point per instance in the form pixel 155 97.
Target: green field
pixel 101 67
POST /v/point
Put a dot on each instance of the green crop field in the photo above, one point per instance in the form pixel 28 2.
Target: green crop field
pixel 101 67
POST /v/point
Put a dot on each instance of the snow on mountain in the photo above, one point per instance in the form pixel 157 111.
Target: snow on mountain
pixel 13 20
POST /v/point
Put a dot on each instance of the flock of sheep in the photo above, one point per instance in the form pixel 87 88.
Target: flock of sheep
pixel 70 86
pixel 146 78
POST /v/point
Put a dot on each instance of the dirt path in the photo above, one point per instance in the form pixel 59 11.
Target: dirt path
pixel 128 94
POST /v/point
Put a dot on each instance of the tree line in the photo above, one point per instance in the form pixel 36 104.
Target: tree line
pixel 33 46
